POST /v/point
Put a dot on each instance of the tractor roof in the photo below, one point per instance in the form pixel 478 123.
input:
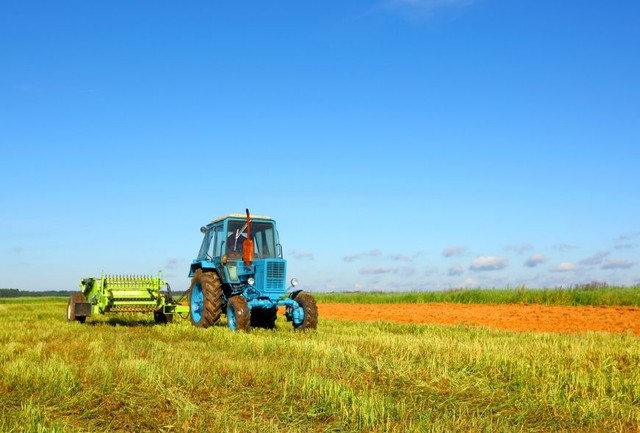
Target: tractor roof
pixel 242 216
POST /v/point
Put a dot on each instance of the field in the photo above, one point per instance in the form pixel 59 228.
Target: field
pixel 125 374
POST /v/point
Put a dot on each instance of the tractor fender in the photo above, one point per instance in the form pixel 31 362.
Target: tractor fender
pixel 205 266
pixel 293 294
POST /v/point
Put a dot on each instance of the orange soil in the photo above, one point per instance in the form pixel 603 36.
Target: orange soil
pixel 523 317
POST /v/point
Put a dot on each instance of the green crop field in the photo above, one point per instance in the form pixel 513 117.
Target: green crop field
pixel 125 374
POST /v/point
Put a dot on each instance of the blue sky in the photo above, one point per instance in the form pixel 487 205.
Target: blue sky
pixel 399 144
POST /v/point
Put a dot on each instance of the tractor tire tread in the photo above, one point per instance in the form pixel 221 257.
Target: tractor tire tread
pixel 308 303
pixel 241 312
pixel 212 291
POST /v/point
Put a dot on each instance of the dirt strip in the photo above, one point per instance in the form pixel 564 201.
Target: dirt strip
pixel 517 317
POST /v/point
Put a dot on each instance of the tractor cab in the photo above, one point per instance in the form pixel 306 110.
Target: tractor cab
pixel 243 252
pixel 225 236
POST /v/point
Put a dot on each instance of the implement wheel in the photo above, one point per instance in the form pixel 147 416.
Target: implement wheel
pixel 309 311
pixel 205 299
pixel 71 307
pixel 264 317
pixel 162 318
pixel 238 314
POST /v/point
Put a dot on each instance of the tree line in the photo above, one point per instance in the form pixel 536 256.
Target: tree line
pixel 16 293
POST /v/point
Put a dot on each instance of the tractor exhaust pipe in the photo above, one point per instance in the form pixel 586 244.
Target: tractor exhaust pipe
pixel 247 244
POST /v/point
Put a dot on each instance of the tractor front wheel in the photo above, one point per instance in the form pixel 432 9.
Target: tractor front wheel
pixel 238 314
pixel 205 299
pixel 71 307
pixel 309 311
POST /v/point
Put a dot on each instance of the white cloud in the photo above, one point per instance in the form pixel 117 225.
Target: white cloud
pixel 454 251
pixel 617 264
pixel 535 260
pixel 489 263
pixel 470 282
pixel 565 267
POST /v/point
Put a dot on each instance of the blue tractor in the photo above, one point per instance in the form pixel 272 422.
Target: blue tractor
pixel 240 272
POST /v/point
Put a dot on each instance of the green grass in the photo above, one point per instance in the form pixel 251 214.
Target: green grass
pixel 577 296
pixel 124 374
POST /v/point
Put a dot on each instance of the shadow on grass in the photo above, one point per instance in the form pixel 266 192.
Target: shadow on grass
pixel 123 321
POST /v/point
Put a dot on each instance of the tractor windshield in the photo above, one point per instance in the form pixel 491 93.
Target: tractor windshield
pixel 263 234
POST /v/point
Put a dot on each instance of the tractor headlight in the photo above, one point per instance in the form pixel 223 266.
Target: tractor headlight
pixel 251 281
pixel 294 282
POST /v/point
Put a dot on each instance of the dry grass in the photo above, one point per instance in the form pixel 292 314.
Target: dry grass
pixel 125 374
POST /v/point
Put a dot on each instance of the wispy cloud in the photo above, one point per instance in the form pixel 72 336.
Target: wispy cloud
pixel 519 248
pixel 564 267
pixel 401 257
pixel 429 271
pixel 382 269
pixel 595 259
pixel 626 241
pixel 376 270
pixel 623 247
pixel 301 255
pixel 564 247
pixel 489 263
pixel 454 251
pixel 355 256
pixel 535 260
pixel 405 271
pixel 425 7
pixel 173 263
pixel 628 236
pixel 617 264
pixel 456 270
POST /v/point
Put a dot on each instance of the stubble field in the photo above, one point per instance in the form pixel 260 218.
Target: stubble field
pixel 361 371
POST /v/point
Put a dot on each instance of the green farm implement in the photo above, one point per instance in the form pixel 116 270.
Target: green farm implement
pixel 124 293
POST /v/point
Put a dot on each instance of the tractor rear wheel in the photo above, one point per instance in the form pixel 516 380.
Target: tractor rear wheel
pixel 310 309
pixel 238 314
pixel 205 299
pixel 71 307
pixel 264 317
